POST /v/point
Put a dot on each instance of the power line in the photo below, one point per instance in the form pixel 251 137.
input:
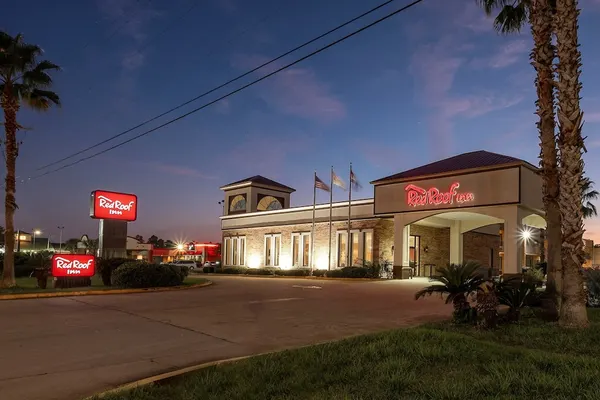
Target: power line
pixel 321 49
pixel 218 87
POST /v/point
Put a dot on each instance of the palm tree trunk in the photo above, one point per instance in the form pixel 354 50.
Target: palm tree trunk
pixel 542 58
pixel 573 313
pixel 10 107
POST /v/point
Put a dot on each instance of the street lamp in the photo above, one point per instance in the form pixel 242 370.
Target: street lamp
pixel 60 228
pixel 222 202
pixel 36 232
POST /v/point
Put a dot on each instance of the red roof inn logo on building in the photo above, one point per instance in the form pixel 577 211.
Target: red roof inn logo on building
pixel 76 265
pixel 111 205
pixel 417 196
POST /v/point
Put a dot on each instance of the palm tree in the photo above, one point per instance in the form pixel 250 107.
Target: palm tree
pixel 587 195
pixel 23 80
pixel 511 17
pixel 573 313
pixel 457 282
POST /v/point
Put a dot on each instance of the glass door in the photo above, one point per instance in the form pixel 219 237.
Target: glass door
pixel 414 253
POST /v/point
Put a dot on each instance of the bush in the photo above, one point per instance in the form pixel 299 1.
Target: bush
pixel 350 272
pixel 592 283
pixel 319 272
pixel 234 270
pixel 208 270
pixel 145 275
pixel 294 272
pixel 25 263
pixel 535 276
pixel 106 267
pixel 263 271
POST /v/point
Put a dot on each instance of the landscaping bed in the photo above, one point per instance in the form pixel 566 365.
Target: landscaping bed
pixel 367 272
pixel 534 360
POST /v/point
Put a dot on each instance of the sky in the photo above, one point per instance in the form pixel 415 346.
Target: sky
pixel 428 83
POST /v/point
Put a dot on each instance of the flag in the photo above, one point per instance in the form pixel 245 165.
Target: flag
pixel 354 182
pixel 319 184
pixel 337 181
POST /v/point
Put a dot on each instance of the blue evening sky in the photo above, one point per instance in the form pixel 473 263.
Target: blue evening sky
pixel 429 83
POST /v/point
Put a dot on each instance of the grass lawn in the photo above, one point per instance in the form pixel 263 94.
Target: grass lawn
pixel 530 361
pixel 29 285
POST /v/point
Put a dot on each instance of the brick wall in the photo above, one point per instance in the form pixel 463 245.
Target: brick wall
pixel 476 247
pixel 382 240
pixel 437 241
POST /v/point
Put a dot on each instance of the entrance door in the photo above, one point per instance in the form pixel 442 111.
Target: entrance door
pixel 414 253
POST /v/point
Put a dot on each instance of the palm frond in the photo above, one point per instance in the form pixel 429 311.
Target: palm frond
pixel 512 18
pixel 38 77
pixel 454 280
pixel 41 100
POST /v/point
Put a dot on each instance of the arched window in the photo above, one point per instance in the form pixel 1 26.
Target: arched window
pixel 269 203
pixel 237 204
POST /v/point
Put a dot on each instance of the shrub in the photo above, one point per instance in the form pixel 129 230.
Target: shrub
pixel 534 276
pixel 294 272
pixel 458 282
pixel 516 293
pixel 144 275
pixel 234 270
pixel 592 283
pixel 319 272
pixel 350 272
pixel 25 263
pixel 106 267
pixel 260 271
pixel 208 270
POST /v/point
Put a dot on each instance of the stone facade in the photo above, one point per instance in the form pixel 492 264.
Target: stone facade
pixel 434 242
pixel 383 238
pixel 483 248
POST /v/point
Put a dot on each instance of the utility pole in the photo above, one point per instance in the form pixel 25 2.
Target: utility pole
pixel 60 228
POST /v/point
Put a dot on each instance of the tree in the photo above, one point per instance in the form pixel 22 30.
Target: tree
pixel 23 80
pixel 91 246
pixel 153 240
pixel 71 245
pixel 169 244
pixel 511 17
pixel 139 238
pixel 573 313
pixel 587 195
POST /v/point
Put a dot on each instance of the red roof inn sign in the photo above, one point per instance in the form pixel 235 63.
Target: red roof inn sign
pixel 417 196
pixel 75 265
pixel 112 205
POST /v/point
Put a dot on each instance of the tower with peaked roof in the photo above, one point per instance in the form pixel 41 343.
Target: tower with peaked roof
pixel 256 193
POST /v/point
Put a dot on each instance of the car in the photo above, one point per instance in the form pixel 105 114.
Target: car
pixel 190 264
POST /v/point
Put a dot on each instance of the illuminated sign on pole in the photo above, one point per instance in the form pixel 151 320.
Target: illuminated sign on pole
pixel 74 265
pixel 417 196
pixel 112 205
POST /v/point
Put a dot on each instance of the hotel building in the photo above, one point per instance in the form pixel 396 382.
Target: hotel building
pixel 479 206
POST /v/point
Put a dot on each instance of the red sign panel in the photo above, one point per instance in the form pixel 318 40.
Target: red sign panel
pixel 417 196
pixel 75 265
pixel 111 205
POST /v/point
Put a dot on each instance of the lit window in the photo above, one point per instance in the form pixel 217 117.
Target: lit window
pixel 234 251
pixel 360 247
pixel 237 203
pixel 269 203
pixel 272 250
pixel 301 249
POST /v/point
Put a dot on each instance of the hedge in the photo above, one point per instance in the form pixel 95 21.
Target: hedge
pixel 106 267
pixel 145 275
pixel 346 272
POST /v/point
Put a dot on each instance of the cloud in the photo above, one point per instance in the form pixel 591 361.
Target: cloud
pixel 172 169
pixel 474 19
pixel 129 18
pixel 295 91
pixel 509 54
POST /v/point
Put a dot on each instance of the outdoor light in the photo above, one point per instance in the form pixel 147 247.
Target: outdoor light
pixel 525 234
pixel 180 246
pixel 254 261
pixel 37 232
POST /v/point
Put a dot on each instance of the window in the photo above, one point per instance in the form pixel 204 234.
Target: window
pixel 234 251
pixel 237 204
pixel 301 249
pixel 269 203
pixel 272 250
pixel 360 247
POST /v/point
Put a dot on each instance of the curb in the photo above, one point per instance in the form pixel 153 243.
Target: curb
pixel 323 278
pixel 99 292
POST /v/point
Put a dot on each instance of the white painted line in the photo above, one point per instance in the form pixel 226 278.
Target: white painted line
pixel 307 287
pixel 274 300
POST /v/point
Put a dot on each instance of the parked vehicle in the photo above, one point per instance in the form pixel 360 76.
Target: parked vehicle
pixel 190 264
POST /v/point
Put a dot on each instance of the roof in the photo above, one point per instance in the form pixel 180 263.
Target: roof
pixel 259 180
pixel 465 161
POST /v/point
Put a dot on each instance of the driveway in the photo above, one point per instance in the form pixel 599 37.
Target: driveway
pixel 69 348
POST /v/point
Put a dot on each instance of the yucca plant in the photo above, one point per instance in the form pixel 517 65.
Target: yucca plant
pixel 457 282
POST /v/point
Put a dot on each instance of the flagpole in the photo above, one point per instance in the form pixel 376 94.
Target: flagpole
pixel 330 214
pixel 312 232
pixel 349 213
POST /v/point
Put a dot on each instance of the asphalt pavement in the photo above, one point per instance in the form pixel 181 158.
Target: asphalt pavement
pixel 71 347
